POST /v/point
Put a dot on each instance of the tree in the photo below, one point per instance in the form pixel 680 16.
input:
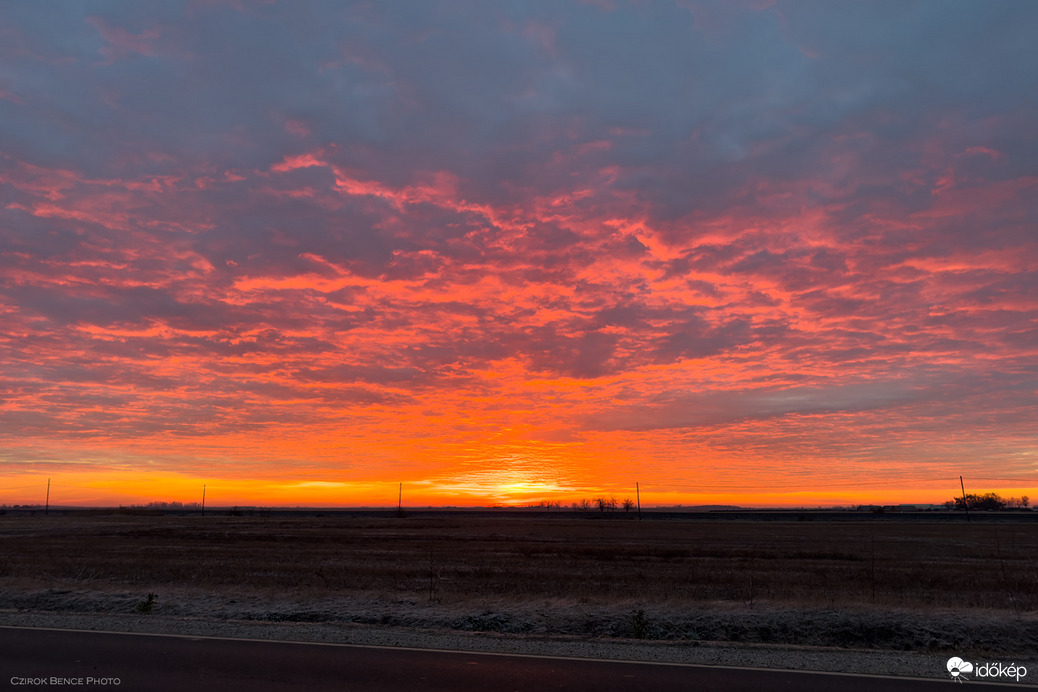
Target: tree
pixel 628 504
pixel 987 501
pixel 1018 502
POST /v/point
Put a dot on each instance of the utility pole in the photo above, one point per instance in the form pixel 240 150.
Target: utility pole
pixel 638 494
pixel 203 499
pixel 965 505
pixel 46 507
pixel 400 501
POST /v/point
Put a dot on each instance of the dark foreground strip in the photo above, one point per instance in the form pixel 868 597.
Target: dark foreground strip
pixel 33 659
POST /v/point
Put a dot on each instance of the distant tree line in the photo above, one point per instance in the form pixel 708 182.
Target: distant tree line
pixel 604 504
pixel 988 501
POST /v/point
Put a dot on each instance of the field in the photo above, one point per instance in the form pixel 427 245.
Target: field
pixel 869 583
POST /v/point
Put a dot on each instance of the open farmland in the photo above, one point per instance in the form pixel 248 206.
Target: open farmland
pixel 918 585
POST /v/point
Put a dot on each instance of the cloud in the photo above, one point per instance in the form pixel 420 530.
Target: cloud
pixel 536 221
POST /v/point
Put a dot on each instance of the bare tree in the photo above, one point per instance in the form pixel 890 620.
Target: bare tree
pixel 628 504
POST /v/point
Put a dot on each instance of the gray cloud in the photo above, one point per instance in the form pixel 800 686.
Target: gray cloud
pixel 785 193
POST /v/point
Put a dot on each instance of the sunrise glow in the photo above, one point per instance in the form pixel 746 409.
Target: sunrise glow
pixel 750 253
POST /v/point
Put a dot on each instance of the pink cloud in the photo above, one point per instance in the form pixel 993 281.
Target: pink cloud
pixel 121 42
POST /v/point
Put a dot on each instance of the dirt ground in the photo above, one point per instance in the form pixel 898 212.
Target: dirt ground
pixel 926 586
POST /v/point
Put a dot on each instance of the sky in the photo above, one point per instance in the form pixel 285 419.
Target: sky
pixel 757 253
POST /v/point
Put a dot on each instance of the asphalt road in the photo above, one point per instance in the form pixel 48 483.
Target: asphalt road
pixel 33 659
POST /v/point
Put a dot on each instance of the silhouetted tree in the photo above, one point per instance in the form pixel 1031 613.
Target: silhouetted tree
pixel 987 501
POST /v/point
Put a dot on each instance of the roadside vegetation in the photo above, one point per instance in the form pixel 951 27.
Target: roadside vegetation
pixel 602 575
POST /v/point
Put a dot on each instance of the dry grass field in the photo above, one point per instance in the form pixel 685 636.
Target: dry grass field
pixel 882 584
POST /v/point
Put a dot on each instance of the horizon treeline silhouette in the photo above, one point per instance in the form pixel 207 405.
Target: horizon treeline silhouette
pixel 988 501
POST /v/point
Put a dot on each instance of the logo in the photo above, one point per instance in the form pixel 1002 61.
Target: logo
pixel 956 666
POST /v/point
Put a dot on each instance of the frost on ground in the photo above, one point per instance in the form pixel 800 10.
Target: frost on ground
pixel 989 634
pixel 840 593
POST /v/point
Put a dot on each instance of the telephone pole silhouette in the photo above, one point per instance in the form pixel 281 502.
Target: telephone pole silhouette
pixel 965 504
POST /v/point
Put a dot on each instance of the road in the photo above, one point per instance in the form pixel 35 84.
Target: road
pixel 33 658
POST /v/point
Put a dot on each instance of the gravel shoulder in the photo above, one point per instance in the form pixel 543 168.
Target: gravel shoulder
pixel 551 629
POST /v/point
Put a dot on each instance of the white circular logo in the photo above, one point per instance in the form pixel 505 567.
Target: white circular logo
pixel 956 666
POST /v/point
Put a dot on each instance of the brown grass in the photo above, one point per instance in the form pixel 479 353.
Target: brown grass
pixel 826 564
pixel 908 585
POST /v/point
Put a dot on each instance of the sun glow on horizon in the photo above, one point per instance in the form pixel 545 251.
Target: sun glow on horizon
pixel 509 264
pixel 100 490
